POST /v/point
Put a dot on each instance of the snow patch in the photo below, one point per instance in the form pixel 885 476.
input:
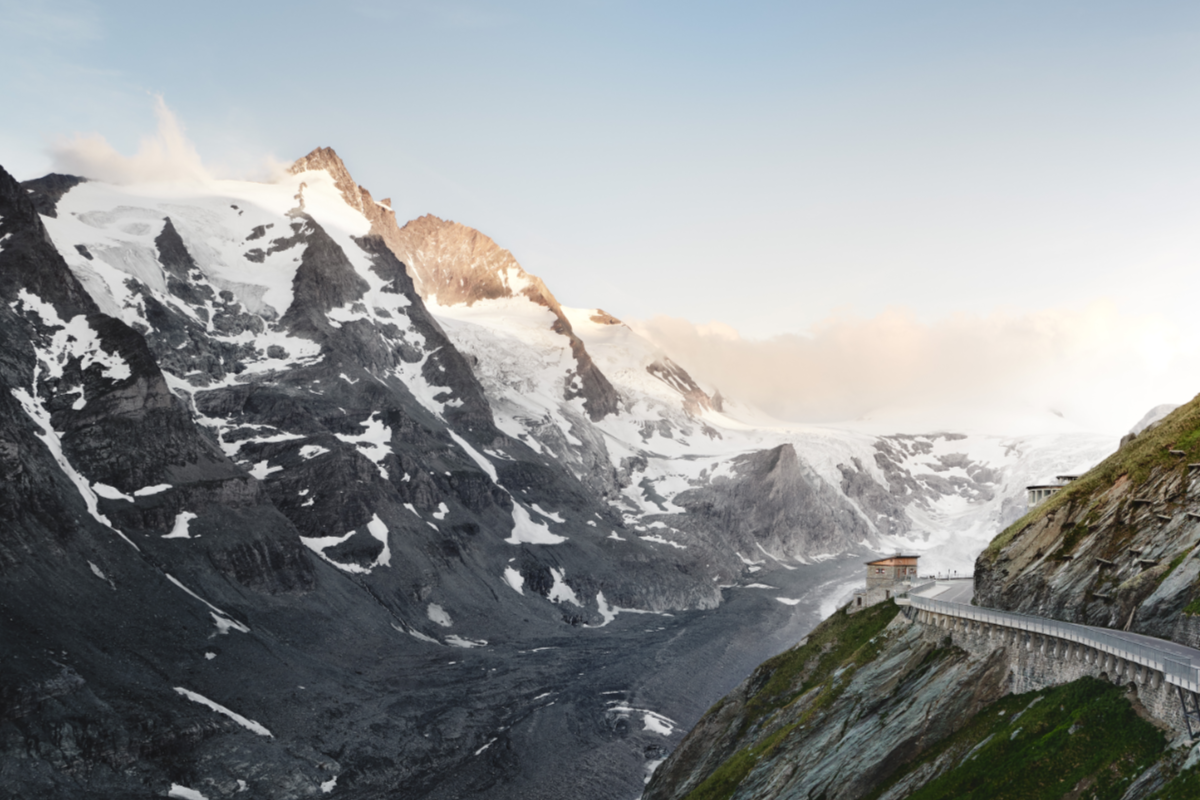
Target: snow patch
pixel 526 531
pixel 224 622
pixel 180 531
pixel 514 579
pixel 661 540
pixel 459 641
pixel 184 793
pixel 312 451
pixel 74 338
pixel 416 634
pixel 262 469
pixel 550 515
pixel 248 724
pixel 110 493
pixel 560 592
pixel 380 531
pixel 475 455
pixel 438 615
pixel 375 443
pixel 318 544
pixel 609 614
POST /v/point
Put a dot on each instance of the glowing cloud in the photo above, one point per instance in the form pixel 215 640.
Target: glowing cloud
pixel 166 155
pixel 1094 366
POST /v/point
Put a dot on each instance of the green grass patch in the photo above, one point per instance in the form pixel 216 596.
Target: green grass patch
pixel 1083 735
pixel 1179 430
pixel 1070 539
pixel 828 659
pixel 1184 786
pixel 1192 609
pixel 831 645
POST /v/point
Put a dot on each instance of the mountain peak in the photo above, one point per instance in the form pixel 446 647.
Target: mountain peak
pixel 325 158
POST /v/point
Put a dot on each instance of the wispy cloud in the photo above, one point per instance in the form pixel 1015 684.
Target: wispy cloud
pixel 1093 365
pixel 165 155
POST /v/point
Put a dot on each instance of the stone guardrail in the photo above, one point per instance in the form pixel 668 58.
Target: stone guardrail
pixel 1174 671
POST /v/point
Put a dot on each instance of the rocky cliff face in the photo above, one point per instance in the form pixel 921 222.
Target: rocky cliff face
pixel 451 264
pixel 1115 548
pixel 773 504
pixel 834 716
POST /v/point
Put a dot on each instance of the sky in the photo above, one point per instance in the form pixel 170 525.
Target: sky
pixel 824 208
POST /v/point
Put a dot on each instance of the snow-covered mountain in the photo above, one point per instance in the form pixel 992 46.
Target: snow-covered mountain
pixel 300 499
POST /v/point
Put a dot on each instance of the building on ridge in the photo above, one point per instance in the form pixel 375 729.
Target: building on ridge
pixel 1040 492
pixel 886 578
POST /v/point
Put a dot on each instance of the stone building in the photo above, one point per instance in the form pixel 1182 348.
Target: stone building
pixel 893 569
pixel 886 577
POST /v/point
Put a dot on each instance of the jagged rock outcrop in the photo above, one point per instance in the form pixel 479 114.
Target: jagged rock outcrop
pixel 773 504
pixel 695 399
pixel 456 264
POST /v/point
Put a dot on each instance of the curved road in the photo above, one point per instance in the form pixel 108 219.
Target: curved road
pixel 961 590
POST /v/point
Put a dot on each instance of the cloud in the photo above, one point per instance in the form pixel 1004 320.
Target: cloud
pixel 166 155
pixel 1094 366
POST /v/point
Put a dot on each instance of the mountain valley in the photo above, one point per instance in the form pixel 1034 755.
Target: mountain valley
pixel 299 501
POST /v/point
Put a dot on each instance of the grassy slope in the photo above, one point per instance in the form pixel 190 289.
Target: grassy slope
pixel 1082 736
pixel 825 662
pixel 1179 430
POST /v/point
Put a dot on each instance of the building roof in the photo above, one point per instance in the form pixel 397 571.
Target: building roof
pixel 894 561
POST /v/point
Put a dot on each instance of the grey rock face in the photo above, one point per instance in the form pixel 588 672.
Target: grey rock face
pixel 887 711
pixel 45 192
pixel 774 502
pixel 1105 560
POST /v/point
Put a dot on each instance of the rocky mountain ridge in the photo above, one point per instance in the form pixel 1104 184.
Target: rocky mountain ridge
pixel 274 521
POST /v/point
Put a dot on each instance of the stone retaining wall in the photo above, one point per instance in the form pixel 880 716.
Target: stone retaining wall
pixel 1037 661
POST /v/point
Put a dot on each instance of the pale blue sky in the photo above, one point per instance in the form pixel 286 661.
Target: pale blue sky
pixel 762 165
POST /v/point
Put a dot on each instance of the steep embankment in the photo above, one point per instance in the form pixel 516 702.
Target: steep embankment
pixel 833 716
pixel 873 706
pixel 1115 547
